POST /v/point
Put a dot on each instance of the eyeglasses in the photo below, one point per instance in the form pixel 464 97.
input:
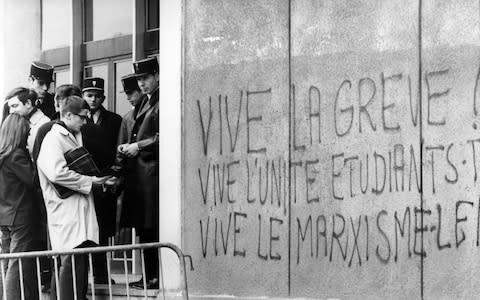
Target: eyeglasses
pixel 83 117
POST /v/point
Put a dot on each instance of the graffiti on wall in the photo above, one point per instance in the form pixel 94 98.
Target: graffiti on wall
pixel 253 198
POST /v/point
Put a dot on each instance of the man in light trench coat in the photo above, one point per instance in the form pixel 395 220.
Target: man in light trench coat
pixel 72 221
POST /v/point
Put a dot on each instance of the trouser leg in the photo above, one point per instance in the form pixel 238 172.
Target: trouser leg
pixel 5 239
pixel 105 208
pixel 151 255
pixel 45 262
pixel 42 243
pixel 5 249
pixel 100 260
pixel 21 240
pixel 66 278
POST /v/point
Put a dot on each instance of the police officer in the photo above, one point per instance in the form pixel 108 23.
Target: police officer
pixel 134 96
pixel 141 203
pixel 93 92
pixel 105 202
pixel 41 76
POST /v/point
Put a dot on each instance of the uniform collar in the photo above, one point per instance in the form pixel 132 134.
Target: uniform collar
pixel 153 97
pixel 153 93
pixel 99 113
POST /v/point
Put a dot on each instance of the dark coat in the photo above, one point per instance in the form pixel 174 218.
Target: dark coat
pixel 125 134
pixel 47 105
pixel 18 201
pixel 128 121
pixel 106 202
pixel 141 199
pixel 41 133
pixel 110 122
pixel 93 140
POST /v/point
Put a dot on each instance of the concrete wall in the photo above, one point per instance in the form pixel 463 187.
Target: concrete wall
pixel 236 138
pixel 21 43
pixel 303 165
pixel 451 66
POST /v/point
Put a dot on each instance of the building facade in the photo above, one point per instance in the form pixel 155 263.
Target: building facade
pixel 102 38
pixel 321 149
pixel 81 39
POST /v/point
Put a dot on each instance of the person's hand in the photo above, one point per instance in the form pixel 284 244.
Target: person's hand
pixel 112 185
pixel 100 180
pixel 121 149
pixel 131 150
pixel 112 181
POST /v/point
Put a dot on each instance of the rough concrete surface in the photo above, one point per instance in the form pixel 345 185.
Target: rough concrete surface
pixel 303 161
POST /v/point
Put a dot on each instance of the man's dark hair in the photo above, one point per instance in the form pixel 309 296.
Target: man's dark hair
pixel 23 94
pixel 66 90
pixel 74 104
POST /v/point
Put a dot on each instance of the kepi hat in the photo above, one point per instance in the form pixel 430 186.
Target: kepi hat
pixel 145 66
pixel 93 83
pixel 41 71
pixel 130 83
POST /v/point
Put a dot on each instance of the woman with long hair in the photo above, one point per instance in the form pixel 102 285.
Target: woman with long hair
pixel 5 111
pixel 18 205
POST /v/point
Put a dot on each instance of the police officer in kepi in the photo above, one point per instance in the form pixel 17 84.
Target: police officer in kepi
pixel 141 198
pixel 41 76
pixel 93 92
pixel 134 97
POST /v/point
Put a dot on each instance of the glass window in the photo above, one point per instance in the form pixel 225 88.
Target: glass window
pixel 122 68
pixel 62 77
pixel 100 70
pixel 106 19
pixel 56 19
pixel 152 14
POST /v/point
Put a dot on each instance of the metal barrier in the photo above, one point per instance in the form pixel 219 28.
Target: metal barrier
pixel 22 256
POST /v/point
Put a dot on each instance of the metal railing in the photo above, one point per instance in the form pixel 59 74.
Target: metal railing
pixel 22 256
pixel 133 256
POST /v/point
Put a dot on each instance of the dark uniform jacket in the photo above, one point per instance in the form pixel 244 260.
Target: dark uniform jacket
pixel 106 202
pixel 140 209
pixel 18 201
pixel 110 122
pixel 128 121
pixel 125 133
pixel 47 105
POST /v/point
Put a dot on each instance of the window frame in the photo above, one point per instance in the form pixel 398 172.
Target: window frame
pixel 107 51
pixel 147 19
pixel 87 27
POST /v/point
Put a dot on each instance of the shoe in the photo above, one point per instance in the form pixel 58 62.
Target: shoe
pixel 46 278
pixel 46 288
pixel 152 284
pixel 137 284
